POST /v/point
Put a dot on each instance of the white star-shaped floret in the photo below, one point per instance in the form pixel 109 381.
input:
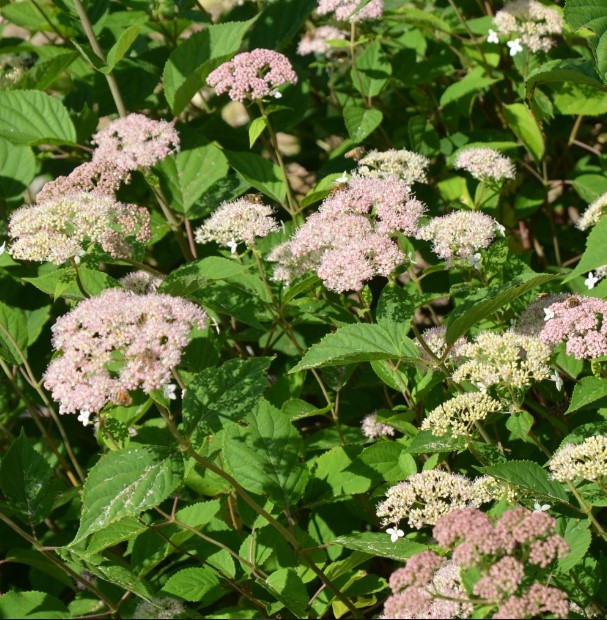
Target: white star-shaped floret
pixel 548 314
pixel 232 245
pixel 492 37
pixel 540 507
pixel 394 533
pixel 342 179
pixel 591 280
pixel 515 46
pixel 557 380
pixel 2 248
pixel 475 260
pixel 168 391
pixel 84 417
pixel 500 229
pixel 277 94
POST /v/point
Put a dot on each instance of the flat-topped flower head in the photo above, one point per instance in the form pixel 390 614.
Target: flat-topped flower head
pixel 372 428
pixel 344 10
pixel 133 142
pixel 583 461
pixel 593 213
pixel 404 165
pixel 457 237
pixel 457 416
pixel 115 343
pixel 580 322
pixel 531 21
pixel 485 164
pixel 252 75
pixel 536 601
pixel 509 360
pixel 63 228
pixel 238 221
pixel 316 41
pixel 424 498
pixel 533 319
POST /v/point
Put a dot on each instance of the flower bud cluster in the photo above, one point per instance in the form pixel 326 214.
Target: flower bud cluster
pixel 585 461
pixel 485 164
pixel 593 213
pixel 344 9
pixel 372 429
pixel 316 41
pixel 404 165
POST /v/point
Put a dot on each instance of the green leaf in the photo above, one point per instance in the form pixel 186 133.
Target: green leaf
pixel 374 71
pixel 265 456
pixel 519 424
pixel 278 22
pixel 45 72
pixel 31 604
pixel 590 186
pixel 566 70
pixel 379 544
pixel 13 334
pixel 218 396
pixel 595 254
pixel 191 172
pixel 61 282
pixel 426 443
pixel 121 47
pixel 17 169
pixel 473 83
pixel 361 122
pixel 192 60
pixel 256 129
pixel 196 275
pixel 492 299
pixel 383 457
pixel 32 117
pixel 289 589
pixel 587 391
pixel 578 536
pixel 576 99
pixel 422 19
pixel 396 305
pixel 360 342
pixel 192 584
pixel 114 534
pixel 529 476
pixel 127 482
pixel 25 479
pixel 261 173
pixel 591 14
pixel 525 128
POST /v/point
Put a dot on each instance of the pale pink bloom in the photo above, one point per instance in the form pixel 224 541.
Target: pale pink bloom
pixel 458 236
pixel 485 163
pixel 580 322
pixel 252 75
pixel 533 319
pixel 316 41
pixel 502 580
pixel 418 571
pixel 372 428
pixel 115 343
pixel 537 600
pixel 63 228
pixel 344 9
pixel 141 282
pixel 133 142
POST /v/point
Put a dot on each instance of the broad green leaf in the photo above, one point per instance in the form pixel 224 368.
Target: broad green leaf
pixel 256 129
pixel 591 14
pixel 340 474
pixel 196 275
pixel 36 320
pixel 27 15
pixel 422 19
pixel 31 604
pixel 525 128
pixel 32 117
pixel 383 457
pixel 580 99
pixel 519 424
pixel 61 282
pixel 426 443
pixel 191 172
pixel 46 71
pixel 379 544
pixel 265 456
pixel 193 59
pixel 473 83
pixel 578 536
pixel 374 71
pixel 590 186
pixel 17 170
pixel 491 299
pixel 297 409
pixel 289 589
pixel 218 396
pixel 529 476
pixel 192 584
pixel 361 122
pixel 121 47
pixel 396 305
pixel 25 479
pixel 114 534
pixel 360 342
pixel 278 22
pixel 261 173
pixel 587 390
pixel 566 70
pixel 595 254
pixel 13 334
pixel 423 137
pixel 126 483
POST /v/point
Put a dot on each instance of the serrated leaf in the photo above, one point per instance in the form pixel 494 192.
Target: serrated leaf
pixel 473 82
pixel 587 391
pixel 265 456
pixel 115 533
pixel 578 536
pixel 591 14
pixel 525 128
pixel 374 71
pixel 489 300
pixel 192 584
pixel 530 476
pixel 383 457
pixel 595 254
pixel 25 480
pixel 361 122
pixel 565 70
pixel 122 46
pixel 360 342
pixel 261 173
pixel 427 443
pixel 289 589
pixel 32 117
pixel 192 60
pixel 379 544
pixel 127 482
pixel 218 396
pixel 31 604
pixel 17 169
pixel 13 334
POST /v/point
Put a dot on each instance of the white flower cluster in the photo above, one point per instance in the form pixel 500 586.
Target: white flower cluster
pixel 586 460
pixel 593 213
pixel 405 165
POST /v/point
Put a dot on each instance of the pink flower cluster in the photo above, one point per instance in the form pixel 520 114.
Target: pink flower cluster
pixel 316 42
pixel 581 323
pixel 519 546
pixel 372 429
pixel 115 343
pixel 344 9
pixel 348 241
pixel 252 75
